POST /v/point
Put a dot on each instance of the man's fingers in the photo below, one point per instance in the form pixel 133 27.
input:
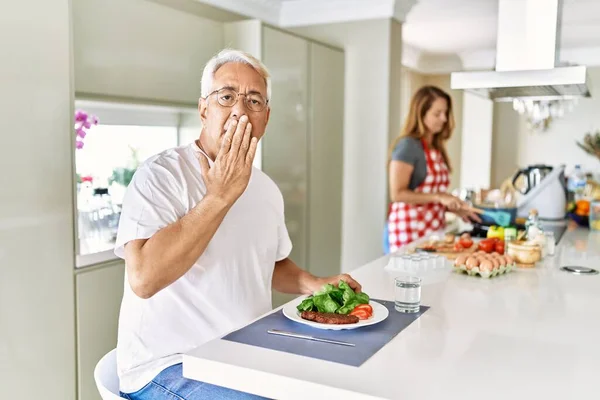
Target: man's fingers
pixel 238 135
pixel 251 151
pixel 245 142
pixel 352 283
pixel 226 141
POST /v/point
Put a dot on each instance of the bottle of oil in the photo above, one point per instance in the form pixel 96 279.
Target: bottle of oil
pixel 532 225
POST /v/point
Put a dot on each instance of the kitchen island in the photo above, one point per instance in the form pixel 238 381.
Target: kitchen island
pixel 529 334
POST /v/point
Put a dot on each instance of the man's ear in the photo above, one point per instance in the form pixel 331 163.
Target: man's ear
pixel 202 109
pixel 268 115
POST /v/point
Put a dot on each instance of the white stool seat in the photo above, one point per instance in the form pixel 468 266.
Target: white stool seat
pixel 105 375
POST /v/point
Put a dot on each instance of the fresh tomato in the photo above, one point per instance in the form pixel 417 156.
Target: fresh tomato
pixel 361 314
pixel 487 245
pixel 365 307
pixel 458 246
pixel 499 247
pixel 466 243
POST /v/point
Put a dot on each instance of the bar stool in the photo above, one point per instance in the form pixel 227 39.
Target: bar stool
pixel 105 375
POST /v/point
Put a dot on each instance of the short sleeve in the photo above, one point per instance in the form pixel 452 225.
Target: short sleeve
pixel 284 243
pixel 407 150
pixel 151 202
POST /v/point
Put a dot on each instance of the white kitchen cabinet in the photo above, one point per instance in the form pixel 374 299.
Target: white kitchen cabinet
pixel 325 159
pixel 99 291
pixel 285 144
pixel 302 150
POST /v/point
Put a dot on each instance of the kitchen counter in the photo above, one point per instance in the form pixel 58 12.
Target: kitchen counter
pixel 529 334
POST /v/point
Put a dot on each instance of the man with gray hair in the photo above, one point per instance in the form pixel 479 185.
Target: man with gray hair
pixel 204 239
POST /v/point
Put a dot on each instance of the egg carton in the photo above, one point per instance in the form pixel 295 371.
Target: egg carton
pixel 486 274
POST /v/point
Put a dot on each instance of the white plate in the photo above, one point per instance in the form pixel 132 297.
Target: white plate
pixel 380 312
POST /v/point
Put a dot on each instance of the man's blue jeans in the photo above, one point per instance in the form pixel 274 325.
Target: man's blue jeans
pixel 171 385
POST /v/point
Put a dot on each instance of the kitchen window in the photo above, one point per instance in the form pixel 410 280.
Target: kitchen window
pixel 107 156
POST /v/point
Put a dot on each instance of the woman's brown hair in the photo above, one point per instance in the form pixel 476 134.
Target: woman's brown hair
pixel 414 127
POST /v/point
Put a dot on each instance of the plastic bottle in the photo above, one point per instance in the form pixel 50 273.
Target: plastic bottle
pixel 576 184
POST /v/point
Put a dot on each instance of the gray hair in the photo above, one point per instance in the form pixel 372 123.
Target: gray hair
pixel 232 56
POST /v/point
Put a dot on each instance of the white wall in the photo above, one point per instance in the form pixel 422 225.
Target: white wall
pixel 37 324
pixel 476 154
pixel 140 49
pixel 366 132
pixel 514 146
pixel 397 81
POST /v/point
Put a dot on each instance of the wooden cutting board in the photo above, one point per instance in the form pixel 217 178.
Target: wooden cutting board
pixel 446 250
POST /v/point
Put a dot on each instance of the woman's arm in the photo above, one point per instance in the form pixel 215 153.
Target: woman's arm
pixel 400 174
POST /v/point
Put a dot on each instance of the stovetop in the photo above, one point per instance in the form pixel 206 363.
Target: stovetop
pixel 559 230
pixel 481 230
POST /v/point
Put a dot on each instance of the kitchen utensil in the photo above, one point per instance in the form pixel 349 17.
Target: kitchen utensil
pixel 502 218
pixel 548 196
pixel 308 337
pixel 525 254
pixel 531 177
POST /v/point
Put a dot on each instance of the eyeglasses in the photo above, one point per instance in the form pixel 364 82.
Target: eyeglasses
pixel 229 97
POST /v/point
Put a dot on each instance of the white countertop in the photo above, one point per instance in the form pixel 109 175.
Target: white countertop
pixel 529 334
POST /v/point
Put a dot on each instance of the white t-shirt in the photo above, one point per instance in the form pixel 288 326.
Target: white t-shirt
pixel 227 287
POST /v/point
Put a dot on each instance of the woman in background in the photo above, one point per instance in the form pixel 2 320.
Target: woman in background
pixel 419 170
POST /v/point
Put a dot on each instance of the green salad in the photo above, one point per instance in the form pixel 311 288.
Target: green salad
pixel 330 299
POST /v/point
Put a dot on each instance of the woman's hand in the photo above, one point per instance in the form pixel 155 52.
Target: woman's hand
pixel 452 203
pixel 467 215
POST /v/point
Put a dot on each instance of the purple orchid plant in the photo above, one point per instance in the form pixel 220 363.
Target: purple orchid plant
pixel 83 122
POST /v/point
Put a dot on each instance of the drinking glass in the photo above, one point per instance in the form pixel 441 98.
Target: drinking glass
pixel 407 297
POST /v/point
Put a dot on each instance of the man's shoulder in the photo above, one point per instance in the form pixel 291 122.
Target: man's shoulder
pixel 266 184
pixel 265 180
pixel 167 169
pixel 167 162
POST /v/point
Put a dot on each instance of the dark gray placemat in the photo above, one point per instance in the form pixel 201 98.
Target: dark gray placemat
pixel 368 340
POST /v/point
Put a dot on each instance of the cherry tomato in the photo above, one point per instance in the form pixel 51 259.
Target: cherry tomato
pixel 499 247
pixel 466 243
pixel 458 246
pixel 365 307
pixel 361 314
pixel 487 245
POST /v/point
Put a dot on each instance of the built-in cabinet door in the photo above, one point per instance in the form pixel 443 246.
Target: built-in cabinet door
pixel 325 159
pixel 284 151
pixel 302 150
pixel 99 293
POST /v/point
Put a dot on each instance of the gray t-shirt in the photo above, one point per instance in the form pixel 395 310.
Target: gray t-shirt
pixel 410 151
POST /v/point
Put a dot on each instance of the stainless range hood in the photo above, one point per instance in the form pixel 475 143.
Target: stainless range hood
pixel 527 57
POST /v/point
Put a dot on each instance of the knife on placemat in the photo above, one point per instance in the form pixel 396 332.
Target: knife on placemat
pixel 308 337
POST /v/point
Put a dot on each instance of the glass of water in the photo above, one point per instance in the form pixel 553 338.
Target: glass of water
pixel 407 296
